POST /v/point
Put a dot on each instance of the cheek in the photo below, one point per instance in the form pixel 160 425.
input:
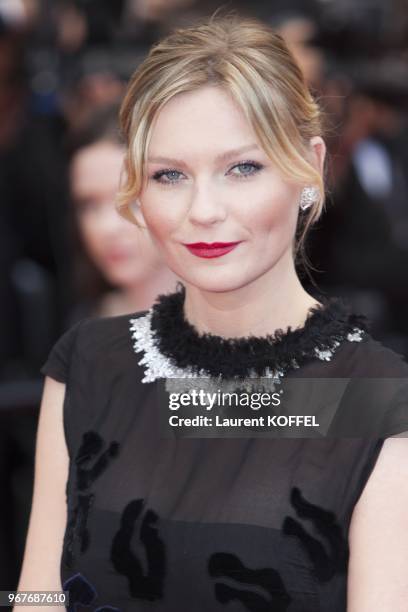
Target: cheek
pixel 130 237
pixel 90 235
pixel 275 213
pixel 92 228
pixel 146 246
pixel 161 216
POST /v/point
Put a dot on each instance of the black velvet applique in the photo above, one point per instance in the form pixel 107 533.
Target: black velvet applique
pixel 149 584
pixel 229 566
pixel 92 447
pixel 83 593
pixel 77 532
pixel 180 341
pixel 326 562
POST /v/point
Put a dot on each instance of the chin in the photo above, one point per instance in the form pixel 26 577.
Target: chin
pixel 216 283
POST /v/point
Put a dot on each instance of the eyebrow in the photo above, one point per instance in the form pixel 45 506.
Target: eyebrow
pixel 222 157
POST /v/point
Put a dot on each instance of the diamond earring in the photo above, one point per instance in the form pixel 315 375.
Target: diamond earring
pixel 308 197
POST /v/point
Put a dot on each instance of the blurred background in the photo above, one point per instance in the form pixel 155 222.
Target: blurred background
pixel 65 254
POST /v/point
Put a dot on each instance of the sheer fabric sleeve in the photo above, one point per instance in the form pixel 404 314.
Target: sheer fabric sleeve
pixel 66 363
pixel 58 362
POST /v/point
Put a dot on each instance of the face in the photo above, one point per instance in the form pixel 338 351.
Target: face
pixel 124 253
pixel 209 181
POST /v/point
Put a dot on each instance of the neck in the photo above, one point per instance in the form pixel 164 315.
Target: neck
pixel 142 295
pixel 273 301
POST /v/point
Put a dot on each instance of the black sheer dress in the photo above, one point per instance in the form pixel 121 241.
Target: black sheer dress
pixel 212 524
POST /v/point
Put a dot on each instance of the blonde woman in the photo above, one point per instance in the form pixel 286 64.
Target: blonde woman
pixel 225 158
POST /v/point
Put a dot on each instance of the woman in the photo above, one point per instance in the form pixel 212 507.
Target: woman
pixel 118 268
pixel 225 158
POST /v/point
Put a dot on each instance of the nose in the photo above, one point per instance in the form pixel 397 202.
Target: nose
pixel 206 208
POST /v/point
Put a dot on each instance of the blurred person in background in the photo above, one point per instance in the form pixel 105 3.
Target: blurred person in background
pixel 36 287
pixel 360 246
pixel 364 245
pixel 355 58
pixel 139 23
pixel 297 21
pixel 117 267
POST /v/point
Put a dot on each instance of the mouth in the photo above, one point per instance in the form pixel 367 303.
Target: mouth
pixel 209 250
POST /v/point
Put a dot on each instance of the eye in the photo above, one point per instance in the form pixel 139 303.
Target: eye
pixel 172 176
pixel 246 168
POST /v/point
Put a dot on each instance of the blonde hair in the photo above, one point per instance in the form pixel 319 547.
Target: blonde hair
pixel 253 63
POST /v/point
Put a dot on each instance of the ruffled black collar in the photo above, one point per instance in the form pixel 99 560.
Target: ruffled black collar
pixel 325 327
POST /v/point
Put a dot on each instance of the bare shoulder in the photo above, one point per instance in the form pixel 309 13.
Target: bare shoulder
pixel 378 536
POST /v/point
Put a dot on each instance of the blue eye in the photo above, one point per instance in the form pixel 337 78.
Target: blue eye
pixel 172 176
pixel 247 168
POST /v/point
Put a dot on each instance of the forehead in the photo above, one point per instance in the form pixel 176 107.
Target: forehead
pixel 204 121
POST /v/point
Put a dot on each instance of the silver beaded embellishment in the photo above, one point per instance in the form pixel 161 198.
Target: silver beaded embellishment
pixel 158 365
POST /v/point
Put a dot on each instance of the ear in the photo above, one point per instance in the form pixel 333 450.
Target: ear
pixel 318 149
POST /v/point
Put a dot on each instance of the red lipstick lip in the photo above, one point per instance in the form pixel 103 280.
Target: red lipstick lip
pixel 210 245
pixel 211 250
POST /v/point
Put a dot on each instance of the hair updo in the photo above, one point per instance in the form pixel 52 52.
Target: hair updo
pixel 251 62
